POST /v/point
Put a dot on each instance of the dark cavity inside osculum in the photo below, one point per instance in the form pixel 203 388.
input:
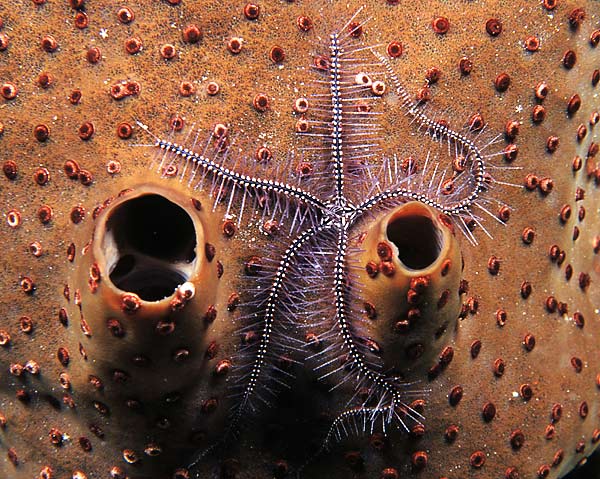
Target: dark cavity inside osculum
pixel 155 244
pixel 417 238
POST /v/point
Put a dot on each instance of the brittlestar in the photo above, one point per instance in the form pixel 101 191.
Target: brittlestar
pixel 324 211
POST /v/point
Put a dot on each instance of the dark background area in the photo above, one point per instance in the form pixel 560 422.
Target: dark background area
pixel 590 471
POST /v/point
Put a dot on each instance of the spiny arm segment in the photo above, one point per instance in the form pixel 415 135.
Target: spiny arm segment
pixel 258 366
pixel 389 391
pixel 244 181
pixel 438 132
pixel 336 117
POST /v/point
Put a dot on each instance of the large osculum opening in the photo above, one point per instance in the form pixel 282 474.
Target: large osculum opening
pixel 150 246
pixel 417 238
